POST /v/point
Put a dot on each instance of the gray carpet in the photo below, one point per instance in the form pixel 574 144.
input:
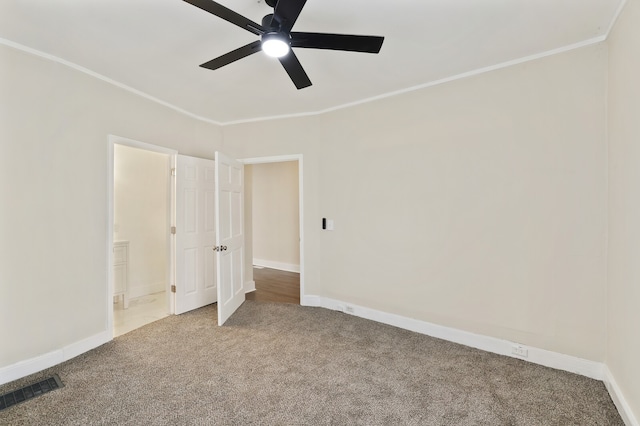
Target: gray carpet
pixel 291 365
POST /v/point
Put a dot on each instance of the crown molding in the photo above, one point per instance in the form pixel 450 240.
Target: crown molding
pixel 615 18
pixel 94 74
pixel 460 76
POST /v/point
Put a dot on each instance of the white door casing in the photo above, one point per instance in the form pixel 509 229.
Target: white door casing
pixel 229 235
pixel 195 233
pixel 304 300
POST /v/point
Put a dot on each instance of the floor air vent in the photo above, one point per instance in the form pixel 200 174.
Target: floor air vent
pixel 30 391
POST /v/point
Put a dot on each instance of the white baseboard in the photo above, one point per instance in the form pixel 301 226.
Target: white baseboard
pixel 30 366
pixel 619 400
pixel 592 369
pixel 249 286
pixel 290 267
pixel 145 290
pixel 544 357
pixel 314 301
pixel 39 363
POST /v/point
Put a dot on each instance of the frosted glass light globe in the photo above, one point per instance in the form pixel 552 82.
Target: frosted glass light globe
pixel 273 45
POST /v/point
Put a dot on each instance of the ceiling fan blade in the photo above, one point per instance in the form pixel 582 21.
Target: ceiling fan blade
pixel 233 56
pixel 228 15
pixel 294 68
pixel 351 43
pixel 286 13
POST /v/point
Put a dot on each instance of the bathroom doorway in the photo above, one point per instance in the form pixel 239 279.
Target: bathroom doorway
pixel 142 201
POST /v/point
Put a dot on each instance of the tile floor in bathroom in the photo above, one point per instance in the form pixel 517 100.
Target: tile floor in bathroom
pixel 141 311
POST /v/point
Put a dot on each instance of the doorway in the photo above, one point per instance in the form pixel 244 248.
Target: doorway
pixel 273 218
pixel 140 234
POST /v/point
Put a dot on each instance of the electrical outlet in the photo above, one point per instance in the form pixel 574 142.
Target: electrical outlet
pixel 520 351
pixel 348 309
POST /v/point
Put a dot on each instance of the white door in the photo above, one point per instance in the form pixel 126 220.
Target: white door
pixel 229 235
pixel 195 233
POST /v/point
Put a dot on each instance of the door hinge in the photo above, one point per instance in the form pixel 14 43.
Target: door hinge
pixel 173 230
pixel 173 171
pixel 173 289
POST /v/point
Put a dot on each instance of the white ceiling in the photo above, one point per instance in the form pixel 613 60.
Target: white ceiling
pixel 155 46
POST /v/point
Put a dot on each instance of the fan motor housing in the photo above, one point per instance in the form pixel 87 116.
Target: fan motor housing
pixel 270 24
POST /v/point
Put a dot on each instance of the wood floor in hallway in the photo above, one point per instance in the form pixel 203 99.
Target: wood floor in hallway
pixel 276 286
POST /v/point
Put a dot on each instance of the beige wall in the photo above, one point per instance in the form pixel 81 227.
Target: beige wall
pixel 276 225
pixel 54 123
pixel 623 343
pixel 478 204
pixel 141 194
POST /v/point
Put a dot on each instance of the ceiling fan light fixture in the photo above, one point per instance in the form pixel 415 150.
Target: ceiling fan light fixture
pixel 276 38
pixel 275 45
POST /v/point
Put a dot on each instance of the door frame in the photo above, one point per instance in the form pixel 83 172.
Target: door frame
pixel 171 198
pixel 285 159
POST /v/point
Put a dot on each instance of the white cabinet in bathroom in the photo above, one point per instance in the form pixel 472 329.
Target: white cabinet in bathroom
pixel 121 271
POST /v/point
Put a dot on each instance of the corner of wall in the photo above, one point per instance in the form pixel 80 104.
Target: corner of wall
pixel 618 399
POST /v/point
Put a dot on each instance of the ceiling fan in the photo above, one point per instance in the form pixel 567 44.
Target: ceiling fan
pixel 277 39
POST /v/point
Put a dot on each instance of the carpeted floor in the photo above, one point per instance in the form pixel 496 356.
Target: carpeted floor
pixel 292 365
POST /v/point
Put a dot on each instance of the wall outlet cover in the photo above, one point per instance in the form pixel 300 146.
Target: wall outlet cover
pixel 520 351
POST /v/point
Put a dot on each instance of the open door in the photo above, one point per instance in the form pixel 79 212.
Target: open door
pixel 195 283
pixel 229 235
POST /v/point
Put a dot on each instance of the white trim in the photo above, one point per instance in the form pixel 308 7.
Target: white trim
pixel 618 399
pixel 110 219
pixel 478 71
pixel 249 286
pixel 30 366
pixel 301 219
pixel 282 159
pixel 141 145
pixel 94 74
pixel 544 357
pixel 33 365
pixel 472 73
pixel 615 18
pixel 281 266
pixel 85 345
pixel 313 301
pixel 272 159
pixel 171 248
